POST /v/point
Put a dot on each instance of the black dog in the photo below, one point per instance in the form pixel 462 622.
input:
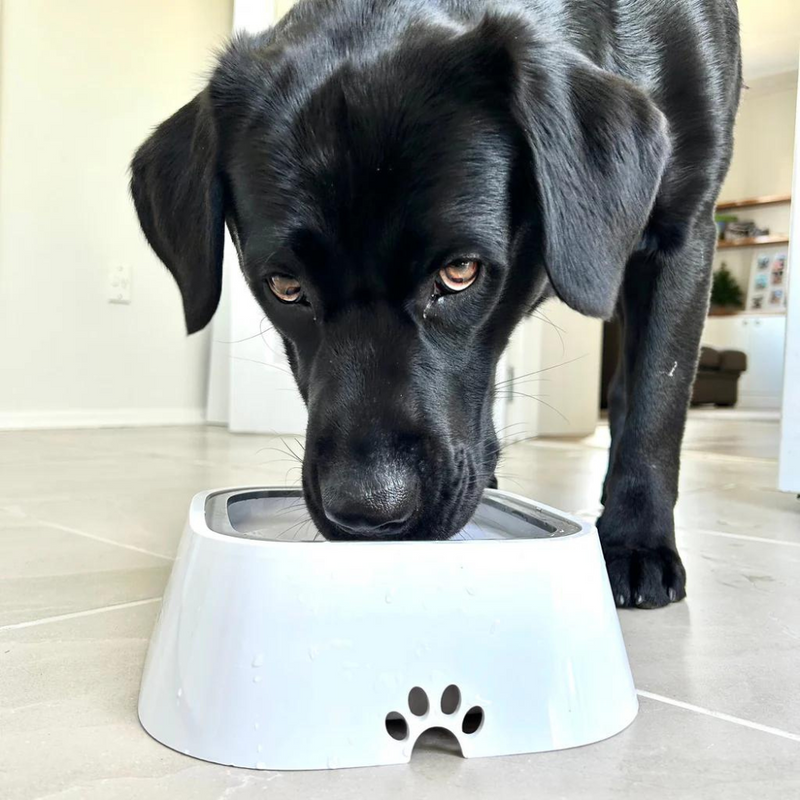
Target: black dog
pixel 406 179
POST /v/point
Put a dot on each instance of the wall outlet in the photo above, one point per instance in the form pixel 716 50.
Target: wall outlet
pixel 118 289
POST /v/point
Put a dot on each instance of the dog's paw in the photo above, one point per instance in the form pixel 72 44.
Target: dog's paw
pixel 645 577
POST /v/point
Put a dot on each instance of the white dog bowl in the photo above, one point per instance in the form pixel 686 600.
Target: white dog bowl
pixel 276 649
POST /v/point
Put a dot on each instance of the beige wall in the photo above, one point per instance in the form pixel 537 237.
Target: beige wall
pixel 762 159
pixel 282 6
pixel 764 139
pixel 81 85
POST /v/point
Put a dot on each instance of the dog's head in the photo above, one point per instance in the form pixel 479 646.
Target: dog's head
pixel 396 213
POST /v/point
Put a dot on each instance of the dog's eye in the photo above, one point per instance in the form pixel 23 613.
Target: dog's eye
pixel 285 288
pixel 459 275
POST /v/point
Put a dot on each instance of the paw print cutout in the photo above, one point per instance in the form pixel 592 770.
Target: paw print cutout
pixel 450 714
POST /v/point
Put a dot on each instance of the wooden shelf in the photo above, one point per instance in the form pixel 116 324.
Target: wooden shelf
pixel 752 202
pixel 754 241
pixel 739 314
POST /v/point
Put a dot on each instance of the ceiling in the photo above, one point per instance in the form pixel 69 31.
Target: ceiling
pixel 770 36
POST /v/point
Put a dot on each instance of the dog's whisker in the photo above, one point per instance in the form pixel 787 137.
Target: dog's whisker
pixel 538 399
pixel 539 371
pixel 287 453
pixel 288 511
pixel 303 530
pixel 559 331
pixel 511 479
pixel 289 472
pixel 263 364
pixel 261 333
pixel 294 526
pixel 238 341
pixel 273 461
pixel 507 427
pixel 539 314
pixel 299 458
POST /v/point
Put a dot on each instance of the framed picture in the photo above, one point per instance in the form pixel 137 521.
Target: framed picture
pixel 766 287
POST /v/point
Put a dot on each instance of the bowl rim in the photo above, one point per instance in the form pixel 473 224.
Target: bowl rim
pixel 199 524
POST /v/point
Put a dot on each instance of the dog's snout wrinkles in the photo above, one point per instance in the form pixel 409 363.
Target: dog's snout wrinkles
pixel 370 501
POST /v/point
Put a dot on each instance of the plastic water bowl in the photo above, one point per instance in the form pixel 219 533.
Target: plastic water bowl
pixel 276 649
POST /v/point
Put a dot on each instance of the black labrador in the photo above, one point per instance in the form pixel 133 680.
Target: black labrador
pixel 404 180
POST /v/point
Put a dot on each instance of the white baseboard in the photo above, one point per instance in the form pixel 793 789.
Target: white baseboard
pixel 100 418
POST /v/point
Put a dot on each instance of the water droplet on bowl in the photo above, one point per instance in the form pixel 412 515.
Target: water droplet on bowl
pixel 313 652
pixel 259 748
pixel 256 679
pixel 471 590
pixel 333 762
pixel 260 765
pixel 180 692
pixel 258 661
pixel 256 726
pixel 390 595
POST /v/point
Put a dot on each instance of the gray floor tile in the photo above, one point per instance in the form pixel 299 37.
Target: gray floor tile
pixel 734 644
pixel 71 733
pixel 742 506
pixel 147 514
pixel 68 688
pixel 717 433
pixel 45 572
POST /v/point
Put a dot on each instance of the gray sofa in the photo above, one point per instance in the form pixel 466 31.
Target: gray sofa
pixel 718 377
pixel 717 374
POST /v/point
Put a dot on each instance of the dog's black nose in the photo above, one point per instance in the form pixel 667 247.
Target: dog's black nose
pixel 370 503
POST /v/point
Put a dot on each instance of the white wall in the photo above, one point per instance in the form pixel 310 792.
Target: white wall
pixel 81 85
pixel 764 146
pixel 789 477
pixel 282 6
pixel 770 36
pixel 762 161
pixel 251 387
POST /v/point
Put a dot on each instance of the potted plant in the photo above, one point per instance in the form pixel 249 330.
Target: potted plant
pixel 726 294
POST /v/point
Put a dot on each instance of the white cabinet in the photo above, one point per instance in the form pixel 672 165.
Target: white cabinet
pixel 762 339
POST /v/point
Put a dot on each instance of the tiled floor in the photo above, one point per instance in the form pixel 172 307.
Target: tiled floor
pixel 89 521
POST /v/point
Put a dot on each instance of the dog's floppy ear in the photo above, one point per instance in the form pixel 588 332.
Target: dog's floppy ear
pixel 598 148
pixel 179 197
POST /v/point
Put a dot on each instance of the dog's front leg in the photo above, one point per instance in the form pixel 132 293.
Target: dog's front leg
pixel 664 302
